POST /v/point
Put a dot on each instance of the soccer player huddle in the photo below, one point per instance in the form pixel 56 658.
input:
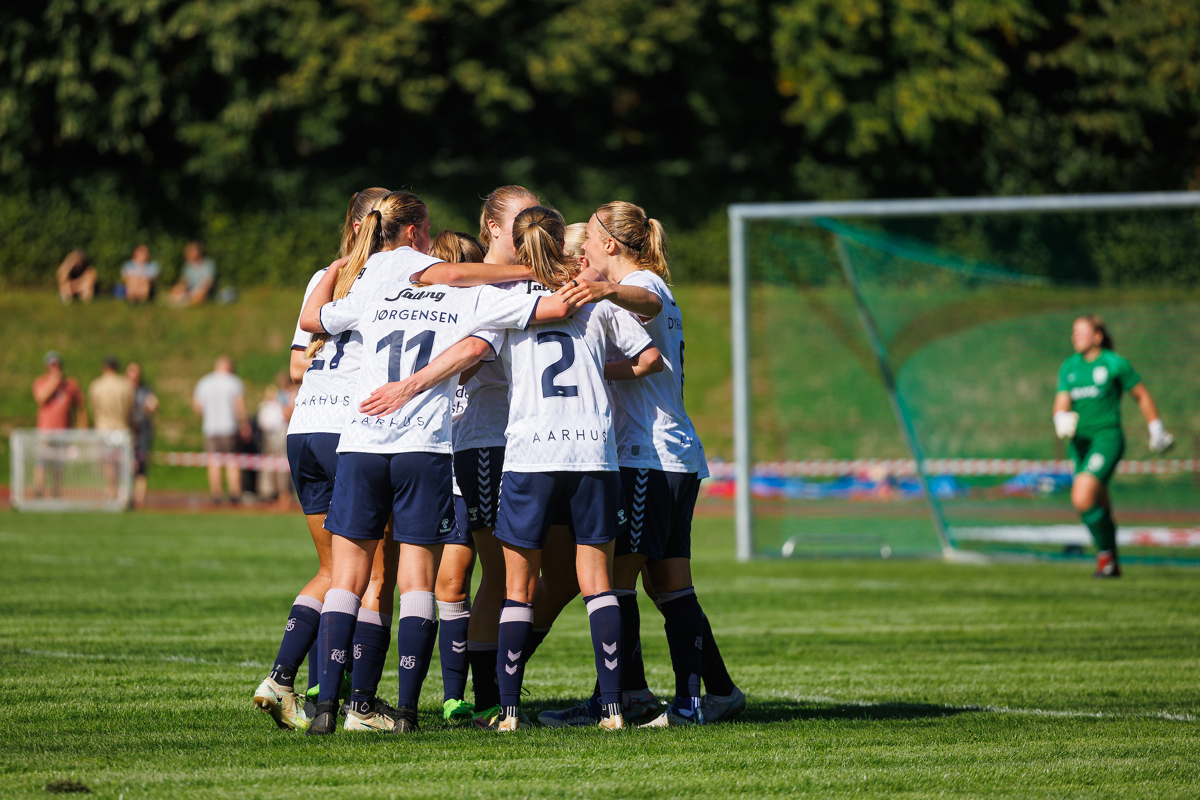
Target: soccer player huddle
pixel 516 401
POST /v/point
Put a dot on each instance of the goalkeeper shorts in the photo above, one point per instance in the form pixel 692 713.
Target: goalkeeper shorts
pixel 1098 454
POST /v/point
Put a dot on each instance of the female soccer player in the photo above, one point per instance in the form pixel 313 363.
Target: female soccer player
pixel 560 462
pixel 326 378
pixel 397 464
pixel 1087 410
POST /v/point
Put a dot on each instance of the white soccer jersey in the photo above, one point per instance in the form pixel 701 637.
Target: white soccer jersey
pixel 323 402
pixel 403 332
pixel 653 429
pixel 559 416
pixel 481 407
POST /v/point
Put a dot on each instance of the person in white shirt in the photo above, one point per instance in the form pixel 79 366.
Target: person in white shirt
pixel 662 463
pixel 219 399
pixel 397 463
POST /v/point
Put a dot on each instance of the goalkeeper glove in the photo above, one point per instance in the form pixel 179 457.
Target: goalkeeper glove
pixel 1065 423
pixel 1160 439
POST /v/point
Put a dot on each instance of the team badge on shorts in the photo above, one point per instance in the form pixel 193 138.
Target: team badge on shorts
pixel 1096 462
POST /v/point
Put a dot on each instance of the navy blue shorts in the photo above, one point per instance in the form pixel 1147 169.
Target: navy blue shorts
pixel 478 472
pixel 313 460
pixel 660 506
pixel 461 534
pixel 416 488
pixel 588 502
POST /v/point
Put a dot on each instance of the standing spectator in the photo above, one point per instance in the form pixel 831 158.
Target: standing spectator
pixel 60 402
pixel 76 277
pixel 221 402
pixel 145 406
pixel 197 278
pixel 111 396
pixel 272 426
pixel 138 274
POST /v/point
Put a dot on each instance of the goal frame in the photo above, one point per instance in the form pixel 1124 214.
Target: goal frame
pixel 740 213
pixel 26 443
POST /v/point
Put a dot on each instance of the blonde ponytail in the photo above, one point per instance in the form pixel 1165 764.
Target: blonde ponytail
pixel 381 229
pixel 538 235
pixel 455 247
pixel 644 239
pixel 360 204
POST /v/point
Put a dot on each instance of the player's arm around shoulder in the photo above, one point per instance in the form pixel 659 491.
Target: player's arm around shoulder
pixel 591 287
pixel 322 294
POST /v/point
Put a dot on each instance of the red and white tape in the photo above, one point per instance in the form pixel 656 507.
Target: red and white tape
pixel 242 460
pixel 833 468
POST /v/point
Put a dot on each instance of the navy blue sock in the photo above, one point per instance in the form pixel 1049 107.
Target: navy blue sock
pixel 486 688
pixel 633 671
pixel 372 635
pixel 716 677
pixel 416 632
pixel 338 617
pixel 684 625
pixel 452 646
pixel 299 635
pixel 516 624
pixel 536 637
pixel 604 617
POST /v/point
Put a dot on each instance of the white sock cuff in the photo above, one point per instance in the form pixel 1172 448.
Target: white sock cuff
pixel 447 612
pixel 516 614
pixel 667 597
pixel 597 603
pixel 482 646
pixel 418 604
pixel 375 618
pixel 625 592
pixel 339 601
pixel 308 602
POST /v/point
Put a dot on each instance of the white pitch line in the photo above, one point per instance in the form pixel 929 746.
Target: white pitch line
pixel 1025 712
pixel 122 657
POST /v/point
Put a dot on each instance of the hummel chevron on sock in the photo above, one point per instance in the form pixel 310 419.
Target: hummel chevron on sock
pixel 338 617
pixel 482 656
pixel 516 624
pixel 1104 530
pixel 684 625
pixel 372 634
pixel 299 635
pixel 716 677
pixel 416 629
pixel 536 637
pixel 604 617
pixel 633 670
pixel 452 645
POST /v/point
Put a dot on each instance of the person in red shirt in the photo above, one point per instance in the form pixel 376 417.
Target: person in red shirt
pixel 59 399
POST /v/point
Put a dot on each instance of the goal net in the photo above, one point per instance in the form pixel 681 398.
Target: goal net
pixel 896 364
pixel 71 470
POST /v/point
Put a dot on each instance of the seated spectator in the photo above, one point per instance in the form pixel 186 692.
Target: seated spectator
pixel 76 277
pixel 197 278
pixel 138 274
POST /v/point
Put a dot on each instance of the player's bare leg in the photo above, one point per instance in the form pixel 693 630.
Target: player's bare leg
pixel 521 567
pixel 557 586
pixel 483 629
pixel 1090 498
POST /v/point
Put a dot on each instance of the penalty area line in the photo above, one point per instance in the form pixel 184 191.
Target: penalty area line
pixel 989 709
pixel 124 657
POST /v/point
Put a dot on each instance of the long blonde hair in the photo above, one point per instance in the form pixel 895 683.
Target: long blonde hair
pixel 382 228
pixel 642 238
pixel 360 204
pixel 495 206
pixel 456 247
pixel 538 234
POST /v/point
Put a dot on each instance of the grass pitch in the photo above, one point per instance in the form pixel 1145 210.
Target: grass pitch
pixel 130 646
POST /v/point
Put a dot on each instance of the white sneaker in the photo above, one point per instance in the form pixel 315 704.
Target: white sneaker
pixel 613 722
pixel 283 704
pixel 639 704
pixel 716 708
pixel 579 716
pixel 673 719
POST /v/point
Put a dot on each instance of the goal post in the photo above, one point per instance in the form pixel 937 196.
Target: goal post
pixel 911 299
pixel 71 470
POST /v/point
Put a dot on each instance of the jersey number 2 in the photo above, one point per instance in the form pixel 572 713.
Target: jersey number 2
pixel 549 387
pixel 340 344
pixel 395 340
